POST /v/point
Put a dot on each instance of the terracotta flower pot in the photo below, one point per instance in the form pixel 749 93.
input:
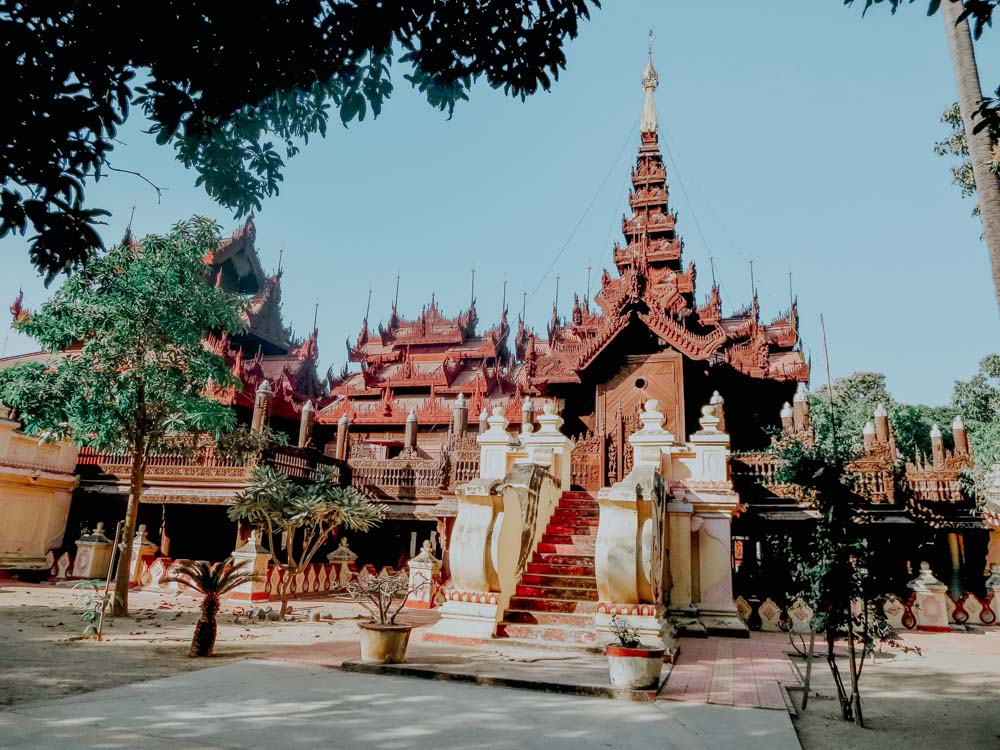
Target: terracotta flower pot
pixel 634 668
pixel 384 644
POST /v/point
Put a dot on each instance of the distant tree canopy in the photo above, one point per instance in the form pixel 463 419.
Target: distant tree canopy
pixel 236 90
pixel 856 396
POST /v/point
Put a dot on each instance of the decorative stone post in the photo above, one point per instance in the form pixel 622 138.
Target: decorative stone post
pixel 305 424
pixel 937 446
pixel 961 437
pixel 93 554
pixel 410 433
pixel 713 520
pixel 800 405
pixel 719 405
pixel 549 448
pixel 527 416
pixel 484 424
pixel 630 557
pixel 881 424
pixel 261 407
pixel 344 563
pixel 494 445
pixel 424 570
pixel 141 548
pixel 931 606
pixel 787 417
pixel 257 559
pixel 868 434
pixel 459 416
pixel 343 425
pixel 993 590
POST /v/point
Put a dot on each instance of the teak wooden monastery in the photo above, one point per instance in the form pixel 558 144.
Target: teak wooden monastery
pixel 614 461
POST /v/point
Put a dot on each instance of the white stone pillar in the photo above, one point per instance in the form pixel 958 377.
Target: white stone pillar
pixel 424 570
pixel 257 559
pixel 141 548
pixel 931 606
pixel 93 555
pixel 494 445
pixel 549 448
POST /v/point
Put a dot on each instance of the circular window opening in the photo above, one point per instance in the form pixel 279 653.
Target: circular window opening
pixel 640 382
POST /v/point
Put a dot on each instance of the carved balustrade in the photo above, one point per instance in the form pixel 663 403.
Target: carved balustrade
pixel 402 477
pixel 205 465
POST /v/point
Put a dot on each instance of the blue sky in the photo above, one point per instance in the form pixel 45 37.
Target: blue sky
pixel 799 134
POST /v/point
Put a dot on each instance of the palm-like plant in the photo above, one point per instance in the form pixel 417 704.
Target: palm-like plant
pixel 212 580
pixel 295 520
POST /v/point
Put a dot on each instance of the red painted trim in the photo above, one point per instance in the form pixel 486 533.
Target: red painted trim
pixel 645 653
pixel 934 629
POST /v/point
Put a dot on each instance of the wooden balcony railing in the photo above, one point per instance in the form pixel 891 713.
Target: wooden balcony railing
pixel 204 465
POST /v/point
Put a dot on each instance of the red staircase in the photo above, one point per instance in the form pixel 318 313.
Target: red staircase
pixel 556 599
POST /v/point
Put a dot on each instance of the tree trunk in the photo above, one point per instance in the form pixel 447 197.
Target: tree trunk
pixel 970 96
pixel 120 605
pixel 203 642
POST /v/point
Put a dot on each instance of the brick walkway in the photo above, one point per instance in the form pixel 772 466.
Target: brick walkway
pixel 732 671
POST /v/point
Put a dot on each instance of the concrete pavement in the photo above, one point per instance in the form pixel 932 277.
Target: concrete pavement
pixel 257 704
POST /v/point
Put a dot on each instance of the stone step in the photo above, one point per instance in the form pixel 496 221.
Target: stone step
pixel 534 617
pixel 549 633
pixel 578 550
pixel 555 558
pixel 578 567
pixel 569 518
pixel 571 528
pixel 565 593
pixel 587 540
pixel 575 494
pixel 582 504
pixel 539 604
pixel 559 581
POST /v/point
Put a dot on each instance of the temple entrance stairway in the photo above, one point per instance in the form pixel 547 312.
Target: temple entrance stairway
pixel 556 599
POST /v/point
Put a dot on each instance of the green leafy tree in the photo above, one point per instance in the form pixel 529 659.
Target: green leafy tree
pixel 855 398
pixel 833 569
pixel 956 145
pixel 296 520
pixel 978 401
pixel 131 374
pixel 213 581
pixel 233 105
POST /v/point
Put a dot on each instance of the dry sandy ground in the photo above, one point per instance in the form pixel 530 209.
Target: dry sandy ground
pixel 42 656
pixel 948 697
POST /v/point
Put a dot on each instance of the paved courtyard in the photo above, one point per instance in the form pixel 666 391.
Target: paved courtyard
pixel 261 704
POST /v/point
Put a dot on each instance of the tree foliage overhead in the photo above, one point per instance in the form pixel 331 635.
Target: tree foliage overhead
pixel 957 145
pixel 127 332
pixel 980 15
pixel 978 400
pixel 234 91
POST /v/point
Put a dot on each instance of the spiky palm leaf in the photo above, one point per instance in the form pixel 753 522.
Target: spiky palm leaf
pixel 210 578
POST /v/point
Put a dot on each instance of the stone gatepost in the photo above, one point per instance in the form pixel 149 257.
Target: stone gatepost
pixel 93 554
pixel 711 492
pixel 424 570
pixel 549 448
pixel 143 551
pixel 931 605
pixel 494 446
pixel 343 559
pixel 257 560
pixel 630 558
pixel 472 605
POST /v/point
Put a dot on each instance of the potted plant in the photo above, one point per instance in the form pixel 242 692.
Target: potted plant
pixel 631 664
pixel 383 640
